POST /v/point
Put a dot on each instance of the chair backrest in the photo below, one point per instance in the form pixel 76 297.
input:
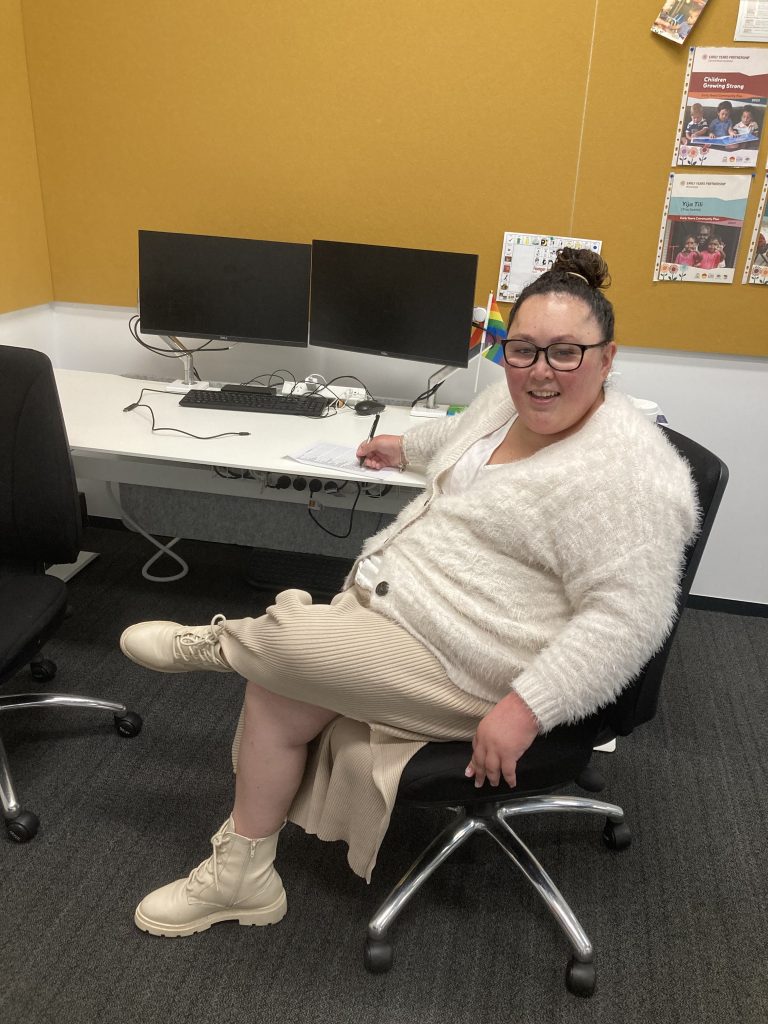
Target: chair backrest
pixel 638 702
pixel 40 520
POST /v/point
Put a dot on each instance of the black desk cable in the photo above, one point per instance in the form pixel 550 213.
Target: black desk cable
pixel 340 536
pixel 268 380
pixel 427 394
pixel 317 383
pixel 133 326
pixel 176 430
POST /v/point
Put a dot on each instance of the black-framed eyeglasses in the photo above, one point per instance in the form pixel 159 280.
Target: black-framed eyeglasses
pixel 561 356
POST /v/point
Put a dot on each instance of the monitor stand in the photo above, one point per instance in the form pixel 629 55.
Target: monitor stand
pixel 190 382
pixel 430 406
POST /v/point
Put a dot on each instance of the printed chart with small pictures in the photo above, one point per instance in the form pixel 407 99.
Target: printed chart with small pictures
pixel 722 114
pixel 756 267
pixel 526 256
pixel 701 227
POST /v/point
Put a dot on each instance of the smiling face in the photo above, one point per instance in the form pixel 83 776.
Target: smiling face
pixel 552 404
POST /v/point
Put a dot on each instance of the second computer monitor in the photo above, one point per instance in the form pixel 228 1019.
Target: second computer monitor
pixel 231 289
pixel 407 303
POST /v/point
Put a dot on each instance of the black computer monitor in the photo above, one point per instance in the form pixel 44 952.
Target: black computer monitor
pixel 407 303
pixel 230 289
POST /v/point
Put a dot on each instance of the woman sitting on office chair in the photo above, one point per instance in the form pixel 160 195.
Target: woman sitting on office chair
pixel 524 588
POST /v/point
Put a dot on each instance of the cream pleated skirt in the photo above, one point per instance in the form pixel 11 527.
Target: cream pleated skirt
pixel 391 695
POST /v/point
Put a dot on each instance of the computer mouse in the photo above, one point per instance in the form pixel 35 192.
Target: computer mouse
pixel 368 407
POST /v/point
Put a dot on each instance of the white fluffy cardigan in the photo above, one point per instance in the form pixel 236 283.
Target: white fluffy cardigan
pixel 555 575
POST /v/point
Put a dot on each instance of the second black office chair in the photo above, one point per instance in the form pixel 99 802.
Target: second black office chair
pixel 435 775
pixel 40 525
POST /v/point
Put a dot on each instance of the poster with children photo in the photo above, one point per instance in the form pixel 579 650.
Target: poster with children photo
pixel 676 19
pixel 701 228
pixel 722 115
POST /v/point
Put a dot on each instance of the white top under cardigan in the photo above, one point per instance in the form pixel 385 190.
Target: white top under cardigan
pixel 457 479
pixel 555 575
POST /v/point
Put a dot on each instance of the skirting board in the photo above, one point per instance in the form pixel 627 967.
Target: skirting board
pixel 721 604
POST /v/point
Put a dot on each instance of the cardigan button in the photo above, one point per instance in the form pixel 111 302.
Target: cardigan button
pixel 382 589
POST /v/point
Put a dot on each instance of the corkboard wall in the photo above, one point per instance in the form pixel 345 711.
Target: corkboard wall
pixel 438 124
pixel 25 277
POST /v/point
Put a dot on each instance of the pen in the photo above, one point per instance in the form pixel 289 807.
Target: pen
pixel 375 424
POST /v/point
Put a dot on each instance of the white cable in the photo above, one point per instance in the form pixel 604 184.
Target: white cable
pixel 162 549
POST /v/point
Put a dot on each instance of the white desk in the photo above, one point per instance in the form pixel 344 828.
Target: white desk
pixel 111 445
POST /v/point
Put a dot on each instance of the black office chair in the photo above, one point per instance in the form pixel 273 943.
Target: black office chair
pixel 435 775
pixel 40 524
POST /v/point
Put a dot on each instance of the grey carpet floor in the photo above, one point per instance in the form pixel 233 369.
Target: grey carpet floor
pixel 678 920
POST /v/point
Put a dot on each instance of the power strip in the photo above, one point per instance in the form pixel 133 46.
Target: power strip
pixel 334 391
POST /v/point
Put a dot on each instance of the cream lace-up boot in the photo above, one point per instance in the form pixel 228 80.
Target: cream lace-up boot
pixel 169 647
pixel 237 883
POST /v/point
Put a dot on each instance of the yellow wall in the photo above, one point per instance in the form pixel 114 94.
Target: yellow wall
pixel 435 123
pixel 25 277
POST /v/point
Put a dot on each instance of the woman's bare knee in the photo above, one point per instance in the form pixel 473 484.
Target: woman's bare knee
pixel 296 721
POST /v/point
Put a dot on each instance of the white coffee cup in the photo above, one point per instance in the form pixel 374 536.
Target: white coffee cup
pixel 646 407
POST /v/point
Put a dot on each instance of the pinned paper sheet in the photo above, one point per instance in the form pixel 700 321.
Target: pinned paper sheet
pixel 701 227
pixel 722 113
pixel 525 257
pixel 675 20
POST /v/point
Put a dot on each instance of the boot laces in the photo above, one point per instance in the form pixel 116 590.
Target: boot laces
pixel 200 643
pixel 198 875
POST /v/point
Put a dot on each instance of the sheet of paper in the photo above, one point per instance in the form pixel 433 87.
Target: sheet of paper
pixel 752 22
pixel 343 460
pixel 525 256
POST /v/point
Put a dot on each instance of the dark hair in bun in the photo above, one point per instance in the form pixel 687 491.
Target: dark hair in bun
pixel 582 274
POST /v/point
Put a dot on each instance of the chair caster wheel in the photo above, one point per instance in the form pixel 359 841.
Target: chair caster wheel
pixel 43 670
pixel 580 978
pixel 23 827
pixel 128 724
pixel 377 956
pixel 617 836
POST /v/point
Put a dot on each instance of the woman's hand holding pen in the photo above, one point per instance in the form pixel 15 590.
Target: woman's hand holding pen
pixel 371 435
pixel 381 452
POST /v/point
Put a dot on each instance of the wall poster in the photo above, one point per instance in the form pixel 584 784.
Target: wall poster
pixel 752 22
pixel 524 257
pixel 676 19
pixel 701 228
pixel 756 267
pixel 722 115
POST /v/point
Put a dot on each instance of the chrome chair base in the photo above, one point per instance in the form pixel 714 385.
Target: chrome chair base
pixel 22 825
pixel 492 819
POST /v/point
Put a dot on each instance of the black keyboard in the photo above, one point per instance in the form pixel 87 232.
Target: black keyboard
pixel 242 401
